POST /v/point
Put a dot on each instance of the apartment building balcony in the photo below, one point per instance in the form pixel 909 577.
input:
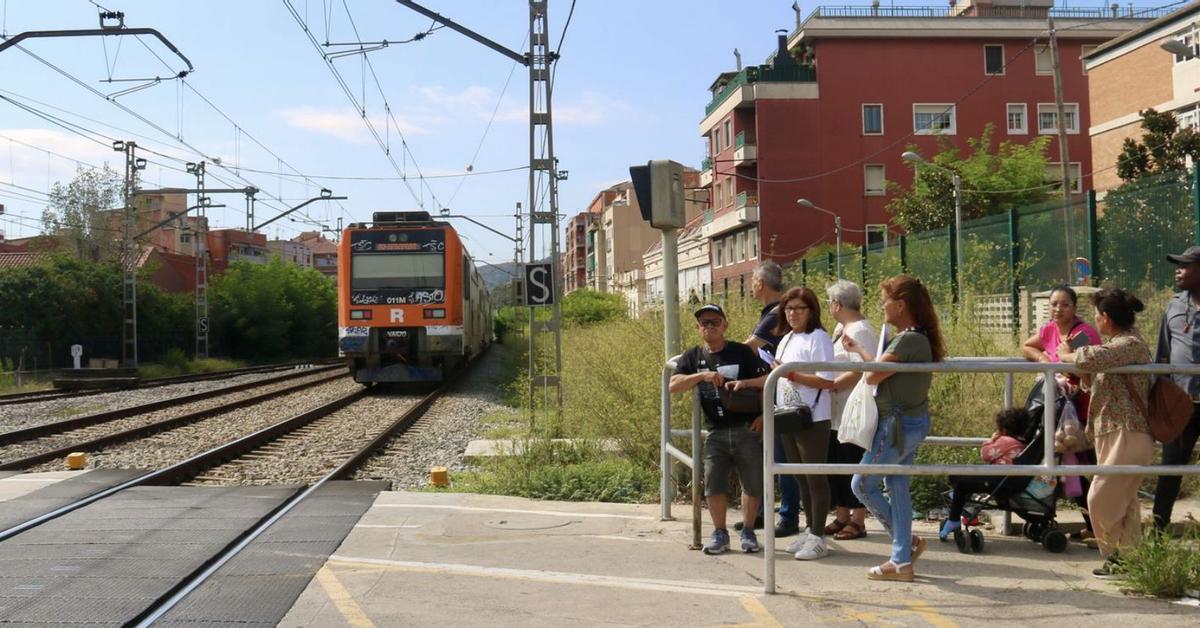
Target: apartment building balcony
pixel 745 151
pixel 706 172
pixel 762 81
pixel 744 213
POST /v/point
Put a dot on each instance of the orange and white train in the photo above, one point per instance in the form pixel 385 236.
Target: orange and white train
pixel 412 307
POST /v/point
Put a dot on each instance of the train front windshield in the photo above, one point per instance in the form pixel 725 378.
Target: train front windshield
pixel 384 271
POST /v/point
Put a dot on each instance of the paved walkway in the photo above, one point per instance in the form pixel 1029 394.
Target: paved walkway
pixel 460 559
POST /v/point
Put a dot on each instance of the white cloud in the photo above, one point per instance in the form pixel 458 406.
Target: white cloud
pixel 592 109
pixel 343 123
pixel 473 97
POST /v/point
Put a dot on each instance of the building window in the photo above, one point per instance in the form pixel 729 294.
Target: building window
pixel 1191 39
pixel 872 119
pixel 728 133
pixel 185 238
pixel 1044 63
pixel 1048 118
pixel 718 253
pixel 993 59
pixel 729 192
pixel 1188 118
pixel 1054 174
pixel 1084 51
pixel 740 243
pixel 716 140
pixel 753 238
pixel 877 237
pixel 929 119
pixel 1017 115
pixel 873 180
pixel 729 252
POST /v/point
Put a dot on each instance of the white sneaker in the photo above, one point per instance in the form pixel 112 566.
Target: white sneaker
pixel 801 540
pixel 814 550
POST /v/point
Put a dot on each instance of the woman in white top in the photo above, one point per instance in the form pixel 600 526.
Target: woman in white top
pixel 807 341
pixel 845 305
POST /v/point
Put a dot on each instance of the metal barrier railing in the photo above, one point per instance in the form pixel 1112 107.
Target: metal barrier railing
pixel 1007 366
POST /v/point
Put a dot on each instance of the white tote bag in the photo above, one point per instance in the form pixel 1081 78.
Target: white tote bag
pixel 860 416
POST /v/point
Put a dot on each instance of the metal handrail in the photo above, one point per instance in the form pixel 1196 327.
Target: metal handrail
pixel 988 365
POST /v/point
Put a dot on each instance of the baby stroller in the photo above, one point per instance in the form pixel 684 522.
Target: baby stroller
pixel 1032 498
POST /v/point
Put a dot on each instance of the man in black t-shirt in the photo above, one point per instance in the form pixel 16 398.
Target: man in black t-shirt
pixel 734 437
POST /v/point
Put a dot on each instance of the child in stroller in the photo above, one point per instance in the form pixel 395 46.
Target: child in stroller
pixel 1018 440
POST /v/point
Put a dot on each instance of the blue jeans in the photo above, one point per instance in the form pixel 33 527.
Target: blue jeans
pixel 895 442
pixel 789 492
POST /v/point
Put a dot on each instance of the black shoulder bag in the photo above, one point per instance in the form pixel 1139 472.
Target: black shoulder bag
pixel 745 401
pixel 797 418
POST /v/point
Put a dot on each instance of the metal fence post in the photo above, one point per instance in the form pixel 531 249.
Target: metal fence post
pixel 803 271
pixel 832 264
pixel 1196 202
pixel 863 266
pixel 1094 236
pixel 1014 280
pixel 664 488
pixel 697 471
pixel 904 254
pixel 952 261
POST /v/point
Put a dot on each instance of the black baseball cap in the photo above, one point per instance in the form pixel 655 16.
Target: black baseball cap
pixel 1191 255
pixel 715 309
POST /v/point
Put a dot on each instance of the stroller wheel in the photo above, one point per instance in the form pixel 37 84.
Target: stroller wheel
pixel 1025 531
pixel 1035 532
pixel 976 541
pixel 962 542
pixel 1055 541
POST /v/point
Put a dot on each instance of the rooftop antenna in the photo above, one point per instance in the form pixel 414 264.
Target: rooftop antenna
pixel 738 55
pixel 796 8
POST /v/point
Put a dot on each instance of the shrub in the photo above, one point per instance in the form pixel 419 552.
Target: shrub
pixel 176 360
pixel 564 471
pixel 274 311
pixel 586 307
pixel 1163 566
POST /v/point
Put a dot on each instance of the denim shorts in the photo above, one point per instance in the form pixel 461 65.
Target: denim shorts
pixel 728 448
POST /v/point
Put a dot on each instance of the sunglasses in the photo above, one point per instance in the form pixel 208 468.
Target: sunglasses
pixel 710 322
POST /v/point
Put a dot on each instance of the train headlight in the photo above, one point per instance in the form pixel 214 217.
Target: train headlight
pixel 435 312
pixel 360 315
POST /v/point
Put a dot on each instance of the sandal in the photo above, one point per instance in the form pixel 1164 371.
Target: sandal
pixel 850 531
pixel 836 526
pixel 894 574
pixel 918 547
pixel 1082 535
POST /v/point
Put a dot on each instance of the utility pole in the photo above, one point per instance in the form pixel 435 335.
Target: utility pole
pixel 200 250
pixel 130 254
pixel 1063 153
pixel 538 59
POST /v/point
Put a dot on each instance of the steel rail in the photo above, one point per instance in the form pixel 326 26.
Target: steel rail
pixel 26 433
pixel 51 395
pixel 342 471
pixel 153 428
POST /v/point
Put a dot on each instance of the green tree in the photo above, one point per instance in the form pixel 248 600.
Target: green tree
pixel 1150 213
pixel 1164 148
pixel 274 310
pixel 585 307
pixel 985 171
pixel 82 214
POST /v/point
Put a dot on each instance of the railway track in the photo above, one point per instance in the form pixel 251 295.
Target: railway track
pixel 53 395
pixel 28 447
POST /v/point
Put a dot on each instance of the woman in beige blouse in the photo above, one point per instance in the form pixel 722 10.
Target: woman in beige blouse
pixel 1117 422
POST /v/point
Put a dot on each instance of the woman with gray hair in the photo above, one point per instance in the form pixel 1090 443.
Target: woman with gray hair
pixel 845 304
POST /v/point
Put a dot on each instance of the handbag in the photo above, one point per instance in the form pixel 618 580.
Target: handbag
pixel 860 417
pixel 797 418
pixel 745 401
pixel 1170 408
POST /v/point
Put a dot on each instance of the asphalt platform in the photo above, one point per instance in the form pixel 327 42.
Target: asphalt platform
pixel 418 559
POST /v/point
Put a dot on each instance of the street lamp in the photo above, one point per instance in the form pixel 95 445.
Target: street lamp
pixel 1176 47
pixel 919 161
pixel 837 226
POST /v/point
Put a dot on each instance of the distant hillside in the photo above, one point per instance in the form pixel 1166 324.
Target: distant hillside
pixel 497 274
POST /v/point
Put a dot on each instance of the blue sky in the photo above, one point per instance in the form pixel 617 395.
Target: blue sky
pixel 631 87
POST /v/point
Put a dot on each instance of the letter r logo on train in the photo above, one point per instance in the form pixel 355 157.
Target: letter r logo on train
pixel 397 315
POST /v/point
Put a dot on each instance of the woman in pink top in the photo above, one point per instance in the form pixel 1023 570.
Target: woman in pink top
pixel 1065 326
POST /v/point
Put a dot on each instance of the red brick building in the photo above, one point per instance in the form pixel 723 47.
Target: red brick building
pixel 226 246
pixel 829 115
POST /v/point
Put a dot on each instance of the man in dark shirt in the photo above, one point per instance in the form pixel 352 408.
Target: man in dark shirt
pixel 767 287
pixel 1179 343
pixel 734 437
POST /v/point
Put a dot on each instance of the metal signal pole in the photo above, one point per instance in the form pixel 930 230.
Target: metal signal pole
pixel 200 249
pixel 130 254
pixel 538 59
pixel 1063 154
